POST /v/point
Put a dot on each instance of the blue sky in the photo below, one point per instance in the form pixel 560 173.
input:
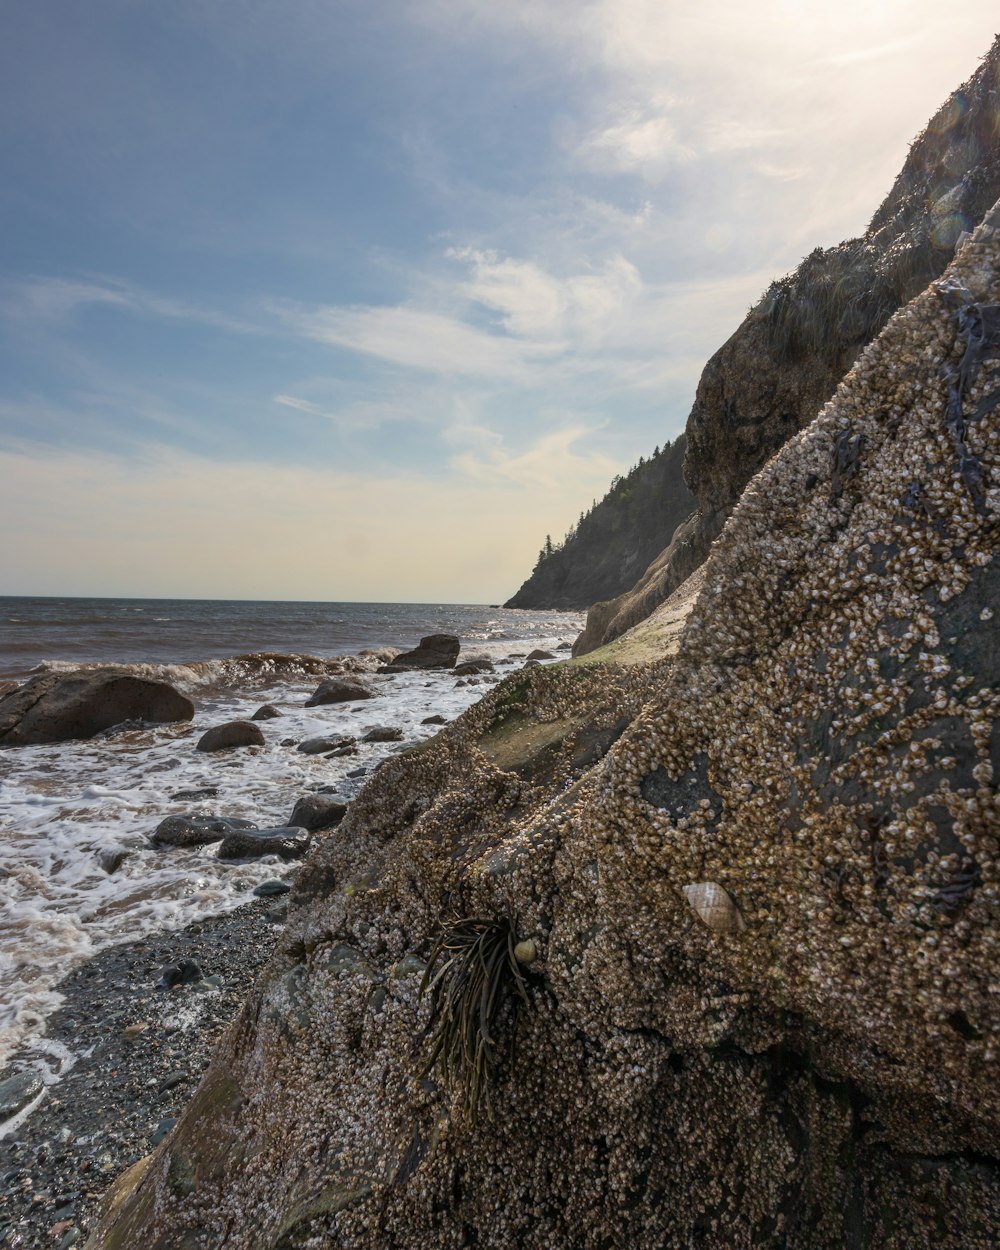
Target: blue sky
pixel 360 300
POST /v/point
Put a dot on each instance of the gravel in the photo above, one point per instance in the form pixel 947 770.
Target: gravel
pixel 140 1051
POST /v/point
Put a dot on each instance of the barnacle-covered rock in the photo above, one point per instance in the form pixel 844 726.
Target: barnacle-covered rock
pixel 820 731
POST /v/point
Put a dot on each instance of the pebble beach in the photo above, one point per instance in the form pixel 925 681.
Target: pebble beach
pixel 123 959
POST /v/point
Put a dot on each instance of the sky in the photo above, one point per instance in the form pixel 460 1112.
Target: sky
pixel 337 300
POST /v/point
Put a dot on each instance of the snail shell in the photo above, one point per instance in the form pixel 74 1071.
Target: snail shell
pixel 526 952
pixel 714 908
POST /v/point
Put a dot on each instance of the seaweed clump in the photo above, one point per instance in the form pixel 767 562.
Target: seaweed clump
pixel 480 973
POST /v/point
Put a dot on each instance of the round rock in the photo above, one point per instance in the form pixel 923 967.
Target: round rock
pixel 237 733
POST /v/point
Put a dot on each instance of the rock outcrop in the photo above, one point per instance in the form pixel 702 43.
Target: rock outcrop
pixel 747 882
pixel 57 707
pixel 616 539
pixel 435 651
pixel 782 364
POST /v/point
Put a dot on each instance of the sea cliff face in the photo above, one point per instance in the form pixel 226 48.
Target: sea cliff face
pixel 616 540
pixel 754 848
pixel 772 376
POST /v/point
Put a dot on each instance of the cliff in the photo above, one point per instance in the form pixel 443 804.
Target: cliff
pixel 616 539
pixel 784 361
pixel 711 915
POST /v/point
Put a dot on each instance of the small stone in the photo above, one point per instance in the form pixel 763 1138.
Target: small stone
pixel 184 972
pixel 267 712
pixel 278 914
pixel 133 1030
pixel 17 1091
pixel 172 1081
pixel 162 1129
pixel 112 858
pixel 194 796
pixel 383 733
pixel 269 889
pixel 318 746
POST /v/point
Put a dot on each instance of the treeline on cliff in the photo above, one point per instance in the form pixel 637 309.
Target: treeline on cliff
pixel 610 546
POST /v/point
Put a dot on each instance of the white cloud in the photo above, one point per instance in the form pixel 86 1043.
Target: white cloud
pixel 417 338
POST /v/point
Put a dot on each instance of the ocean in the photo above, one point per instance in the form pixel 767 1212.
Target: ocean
pixel 68 809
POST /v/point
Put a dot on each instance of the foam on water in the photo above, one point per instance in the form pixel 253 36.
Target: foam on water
pixel 63 806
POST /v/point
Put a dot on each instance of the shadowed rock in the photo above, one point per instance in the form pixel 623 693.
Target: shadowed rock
pixel 339 690
pixel 435 651
pixel 55 707
pixel 237 733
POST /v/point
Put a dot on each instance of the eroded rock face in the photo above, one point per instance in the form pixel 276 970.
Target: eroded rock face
pixel 57 707
pixel 771 377
pixel 821 1072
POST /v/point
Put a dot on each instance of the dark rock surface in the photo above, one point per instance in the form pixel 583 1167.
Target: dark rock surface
pixel 435 651
pixel 470 667
pixel 56 707
pixel 237 733
pixel 383 733
pixel 287 841
pixel 17 1091
pixel 323 744
pixel 340 690
pixel 267 712
pixel 196 830
pixel 318 811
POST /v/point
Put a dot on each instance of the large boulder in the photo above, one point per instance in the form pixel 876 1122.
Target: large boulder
pixel 720 927
pixel 435 651
pixel 318 811
pixel 56 707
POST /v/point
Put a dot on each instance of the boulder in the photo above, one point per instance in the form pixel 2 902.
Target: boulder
pixel 435 651
pixel 56 707
pixel 318 811
pixel 287 841
pixel 539 654
pixel 468 667
pixel 237 733
pixel 196 830
pixel 436 719
pixel 340 690
pixel 267 712
pixel 320 746
pixel 383 733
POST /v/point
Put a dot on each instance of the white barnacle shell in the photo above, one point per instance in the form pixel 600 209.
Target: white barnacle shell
pixel 714 908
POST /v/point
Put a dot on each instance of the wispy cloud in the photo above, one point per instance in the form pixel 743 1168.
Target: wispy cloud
pixel 417 338
pixel 53 299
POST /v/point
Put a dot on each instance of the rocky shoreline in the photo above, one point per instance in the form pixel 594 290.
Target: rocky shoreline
pixel 140 1049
